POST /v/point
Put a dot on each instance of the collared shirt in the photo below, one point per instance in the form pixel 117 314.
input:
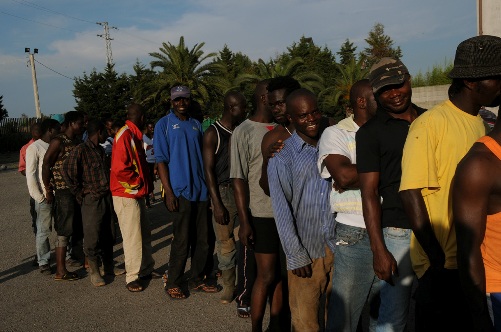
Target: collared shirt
pixel 85 171
pixel 300 200
pixel 178 144
pixel 380 144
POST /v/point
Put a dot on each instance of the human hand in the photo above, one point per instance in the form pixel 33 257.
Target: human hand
pixel 303 272
pixel 221 214
pixel 385 266
pixel 49 196
pixel 274 148
pixel 246 235
pixel 171 202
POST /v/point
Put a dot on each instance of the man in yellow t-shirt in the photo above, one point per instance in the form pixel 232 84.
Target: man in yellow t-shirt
pixel 436 142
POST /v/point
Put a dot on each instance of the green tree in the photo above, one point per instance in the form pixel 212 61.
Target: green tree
pixel 347 52
pixel 180 65
pixel 102 95
pixel 436 76
pixel 335 99
pixel 3 110
pixel 380 46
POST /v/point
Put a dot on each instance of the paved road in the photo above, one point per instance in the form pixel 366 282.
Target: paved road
pixel 35 302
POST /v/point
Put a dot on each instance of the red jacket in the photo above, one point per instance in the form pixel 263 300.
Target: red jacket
pixel 129 170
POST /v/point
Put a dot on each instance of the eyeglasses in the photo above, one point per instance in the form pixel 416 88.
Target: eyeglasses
pixel 278 103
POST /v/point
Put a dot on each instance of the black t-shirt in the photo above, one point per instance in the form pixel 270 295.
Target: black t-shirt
pixel 380 145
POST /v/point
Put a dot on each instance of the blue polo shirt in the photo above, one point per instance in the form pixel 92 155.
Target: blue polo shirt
pixel 178 144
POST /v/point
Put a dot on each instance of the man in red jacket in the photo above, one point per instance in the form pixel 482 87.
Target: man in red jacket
pixel 130 183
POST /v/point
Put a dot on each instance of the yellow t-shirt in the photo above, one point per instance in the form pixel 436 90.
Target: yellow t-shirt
pixel 436 142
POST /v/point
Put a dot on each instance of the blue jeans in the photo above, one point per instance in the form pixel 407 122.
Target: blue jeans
pixel 44 227
pixel 395 300
pixel 354 281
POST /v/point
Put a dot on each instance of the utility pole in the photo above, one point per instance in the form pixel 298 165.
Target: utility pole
pixel 34 76
pixel 107 39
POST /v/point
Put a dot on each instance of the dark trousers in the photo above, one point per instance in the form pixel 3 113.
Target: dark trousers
pixel 247 269
pixel 98 228
pixel 33 213
pixel 190 229
pixel 68 220
pixel 440 302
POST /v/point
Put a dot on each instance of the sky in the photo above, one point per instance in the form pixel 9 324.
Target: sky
pixel 65 33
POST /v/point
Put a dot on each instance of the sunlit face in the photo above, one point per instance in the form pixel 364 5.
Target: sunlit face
pixel 305 116
pixel 276 102
pixel 181 106
pixel 396 98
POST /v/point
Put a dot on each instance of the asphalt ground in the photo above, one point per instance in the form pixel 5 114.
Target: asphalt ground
pixel 31 301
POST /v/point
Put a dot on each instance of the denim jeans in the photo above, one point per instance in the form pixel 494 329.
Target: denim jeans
pixel 44 227
pixel 354 281
pixel 395 300
pixel 225 240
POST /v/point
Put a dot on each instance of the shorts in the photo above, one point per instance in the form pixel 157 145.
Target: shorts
pixel 67 209
pixel 266 239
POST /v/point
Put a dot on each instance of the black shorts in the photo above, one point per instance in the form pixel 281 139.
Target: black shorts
pixel 266 239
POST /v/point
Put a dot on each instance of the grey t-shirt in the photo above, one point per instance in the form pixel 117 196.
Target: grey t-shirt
pixel 247 161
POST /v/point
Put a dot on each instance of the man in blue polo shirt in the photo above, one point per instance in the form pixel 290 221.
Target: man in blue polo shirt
pixel 178 152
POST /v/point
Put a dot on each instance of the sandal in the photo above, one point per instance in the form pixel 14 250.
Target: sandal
pixel 243 311
pixel 204 288
pixel 68 276
pixel 134 286
pixel 175 293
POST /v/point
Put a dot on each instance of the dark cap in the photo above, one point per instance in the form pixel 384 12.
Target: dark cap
pixel 179 91
pixel 477 57
pixel 387 71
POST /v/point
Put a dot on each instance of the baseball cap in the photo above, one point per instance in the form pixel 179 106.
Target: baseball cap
pixel 477 57
pixel 179 91
pixel 387 71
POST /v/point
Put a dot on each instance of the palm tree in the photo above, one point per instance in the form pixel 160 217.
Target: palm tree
pixel 183 66
pixel 336 98
pixel 292 67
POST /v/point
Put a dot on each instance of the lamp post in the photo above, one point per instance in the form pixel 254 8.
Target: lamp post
pixel 34 76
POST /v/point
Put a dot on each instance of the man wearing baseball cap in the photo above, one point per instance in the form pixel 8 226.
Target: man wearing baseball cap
pixel 379 145
pixel 178 152
pixel 436 143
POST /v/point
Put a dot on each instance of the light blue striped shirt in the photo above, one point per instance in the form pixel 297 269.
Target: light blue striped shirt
pixel 300 200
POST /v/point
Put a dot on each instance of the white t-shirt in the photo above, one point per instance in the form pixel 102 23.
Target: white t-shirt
pixel 148 148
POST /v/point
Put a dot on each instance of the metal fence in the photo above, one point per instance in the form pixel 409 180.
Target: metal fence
pixel 16 125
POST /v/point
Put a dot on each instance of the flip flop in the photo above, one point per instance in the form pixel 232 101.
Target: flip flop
pixel 205 288
pixel 134 286
pixel 68 276
pixel 243 311
pixel 175 293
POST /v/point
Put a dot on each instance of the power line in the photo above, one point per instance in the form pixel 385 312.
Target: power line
pixel 26 19
pixel 54 70
pixel 36 6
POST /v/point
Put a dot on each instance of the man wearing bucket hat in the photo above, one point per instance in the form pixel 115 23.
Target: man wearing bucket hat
pixel 178 152
pixel 379 145
pixel 437 141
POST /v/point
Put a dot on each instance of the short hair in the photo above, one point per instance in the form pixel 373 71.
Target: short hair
pixel 261 87
pixel 357 90
pixel 73 116
pixel 283 82
pixel 117 124
pixel 49 124
pixel 95 125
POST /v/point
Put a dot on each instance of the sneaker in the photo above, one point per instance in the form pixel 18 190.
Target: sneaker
pixel 45 269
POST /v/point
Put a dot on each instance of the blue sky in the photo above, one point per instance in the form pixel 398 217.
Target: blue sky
pixel 64 32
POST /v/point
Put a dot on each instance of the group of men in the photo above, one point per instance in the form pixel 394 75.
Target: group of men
pixel 353 212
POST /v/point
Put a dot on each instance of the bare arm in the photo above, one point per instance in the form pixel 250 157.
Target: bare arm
pixel 49 161
pixel 384 263
pixel 220 212
pixel 241 192
pixel 470 201
pixel 268 149
pixel 419 219
pixel 170 200
pixel 343 172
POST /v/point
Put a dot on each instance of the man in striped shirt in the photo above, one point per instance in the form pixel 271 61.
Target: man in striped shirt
pixel 300 200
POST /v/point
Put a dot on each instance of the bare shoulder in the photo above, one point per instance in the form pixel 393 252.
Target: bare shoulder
pixel 478 167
